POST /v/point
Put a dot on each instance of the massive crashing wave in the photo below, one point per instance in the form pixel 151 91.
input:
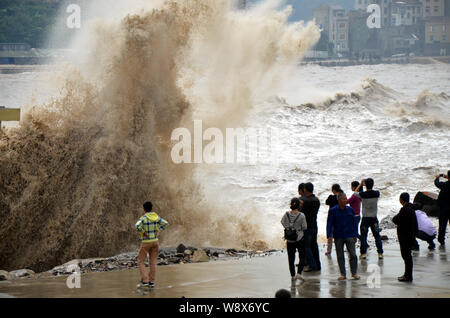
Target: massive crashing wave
pixel 74 175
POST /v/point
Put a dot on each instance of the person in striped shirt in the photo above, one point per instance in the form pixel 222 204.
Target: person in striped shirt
pixel 149 226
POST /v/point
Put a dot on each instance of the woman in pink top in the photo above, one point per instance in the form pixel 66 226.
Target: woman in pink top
pixel 355 202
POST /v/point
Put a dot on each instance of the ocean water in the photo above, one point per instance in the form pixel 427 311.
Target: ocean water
pixel 95 137
pixel 340 124
pixel 388 122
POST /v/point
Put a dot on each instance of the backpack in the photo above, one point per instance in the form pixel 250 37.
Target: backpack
pixel 290 234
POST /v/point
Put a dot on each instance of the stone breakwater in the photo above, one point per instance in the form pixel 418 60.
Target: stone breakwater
pixel 167 256
pixel 183 255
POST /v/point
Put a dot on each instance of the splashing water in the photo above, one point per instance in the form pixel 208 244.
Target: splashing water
pixel 76 172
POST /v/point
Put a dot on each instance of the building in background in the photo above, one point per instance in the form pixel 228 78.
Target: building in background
pixel 340 33
pixel 433 8
pixel 437 27
pixel 359 34
pixel 23 54
pixel 406 12
pixel 334 26
pixel 437 36
pixel 385 6
pixel 409 27
pixel 321 15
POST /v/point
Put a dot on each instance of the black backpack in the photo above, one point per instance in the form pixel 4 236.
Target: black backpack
pixel 290 234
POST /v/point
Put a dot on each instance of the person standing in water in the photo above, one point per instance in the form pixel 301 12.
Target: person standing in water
pixel 332 201
pixel 294 223
pixel 149 227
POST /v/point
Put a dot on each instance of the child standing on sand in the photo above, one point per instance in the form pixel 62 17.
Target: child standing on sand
pixel 149 226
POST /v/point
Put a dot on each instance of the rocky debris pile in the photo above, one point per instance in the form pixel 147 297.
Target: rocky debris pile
pixel 387 224
pixel 21 273
pixel 167 256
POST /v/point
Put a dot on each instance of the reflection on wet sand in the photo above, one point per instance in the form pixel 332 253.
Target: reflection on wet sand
pixel 258 277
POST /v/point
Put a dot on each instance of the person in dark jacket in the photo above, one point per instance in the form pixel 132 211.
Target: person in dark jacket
pixel 332 201
pixel 301 191
pixel 407 228
pixel 444 205
pixel 310 207
pixel 343 228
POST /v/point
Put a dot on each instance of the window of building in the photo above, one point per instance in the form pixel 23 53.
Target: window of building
pixel 431 38
pixel 444 37
pixel 436 9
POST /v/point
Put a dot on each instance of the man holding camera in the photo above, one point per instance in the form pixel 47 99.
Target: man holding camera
pixel 444 205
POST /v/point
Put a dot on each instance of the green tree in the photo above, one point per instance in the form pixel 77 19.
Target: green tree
pixel 26 21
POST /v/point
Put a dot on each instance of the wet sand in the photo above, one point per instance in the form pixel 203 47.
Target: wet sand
pixel 256 277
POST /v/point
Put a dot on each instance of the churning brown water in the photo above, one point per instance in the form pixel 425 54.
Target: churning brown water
pixel 75 173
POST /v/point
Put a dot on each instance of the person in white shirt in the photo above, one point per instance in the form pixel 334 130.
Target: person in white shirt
pixel 427 232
